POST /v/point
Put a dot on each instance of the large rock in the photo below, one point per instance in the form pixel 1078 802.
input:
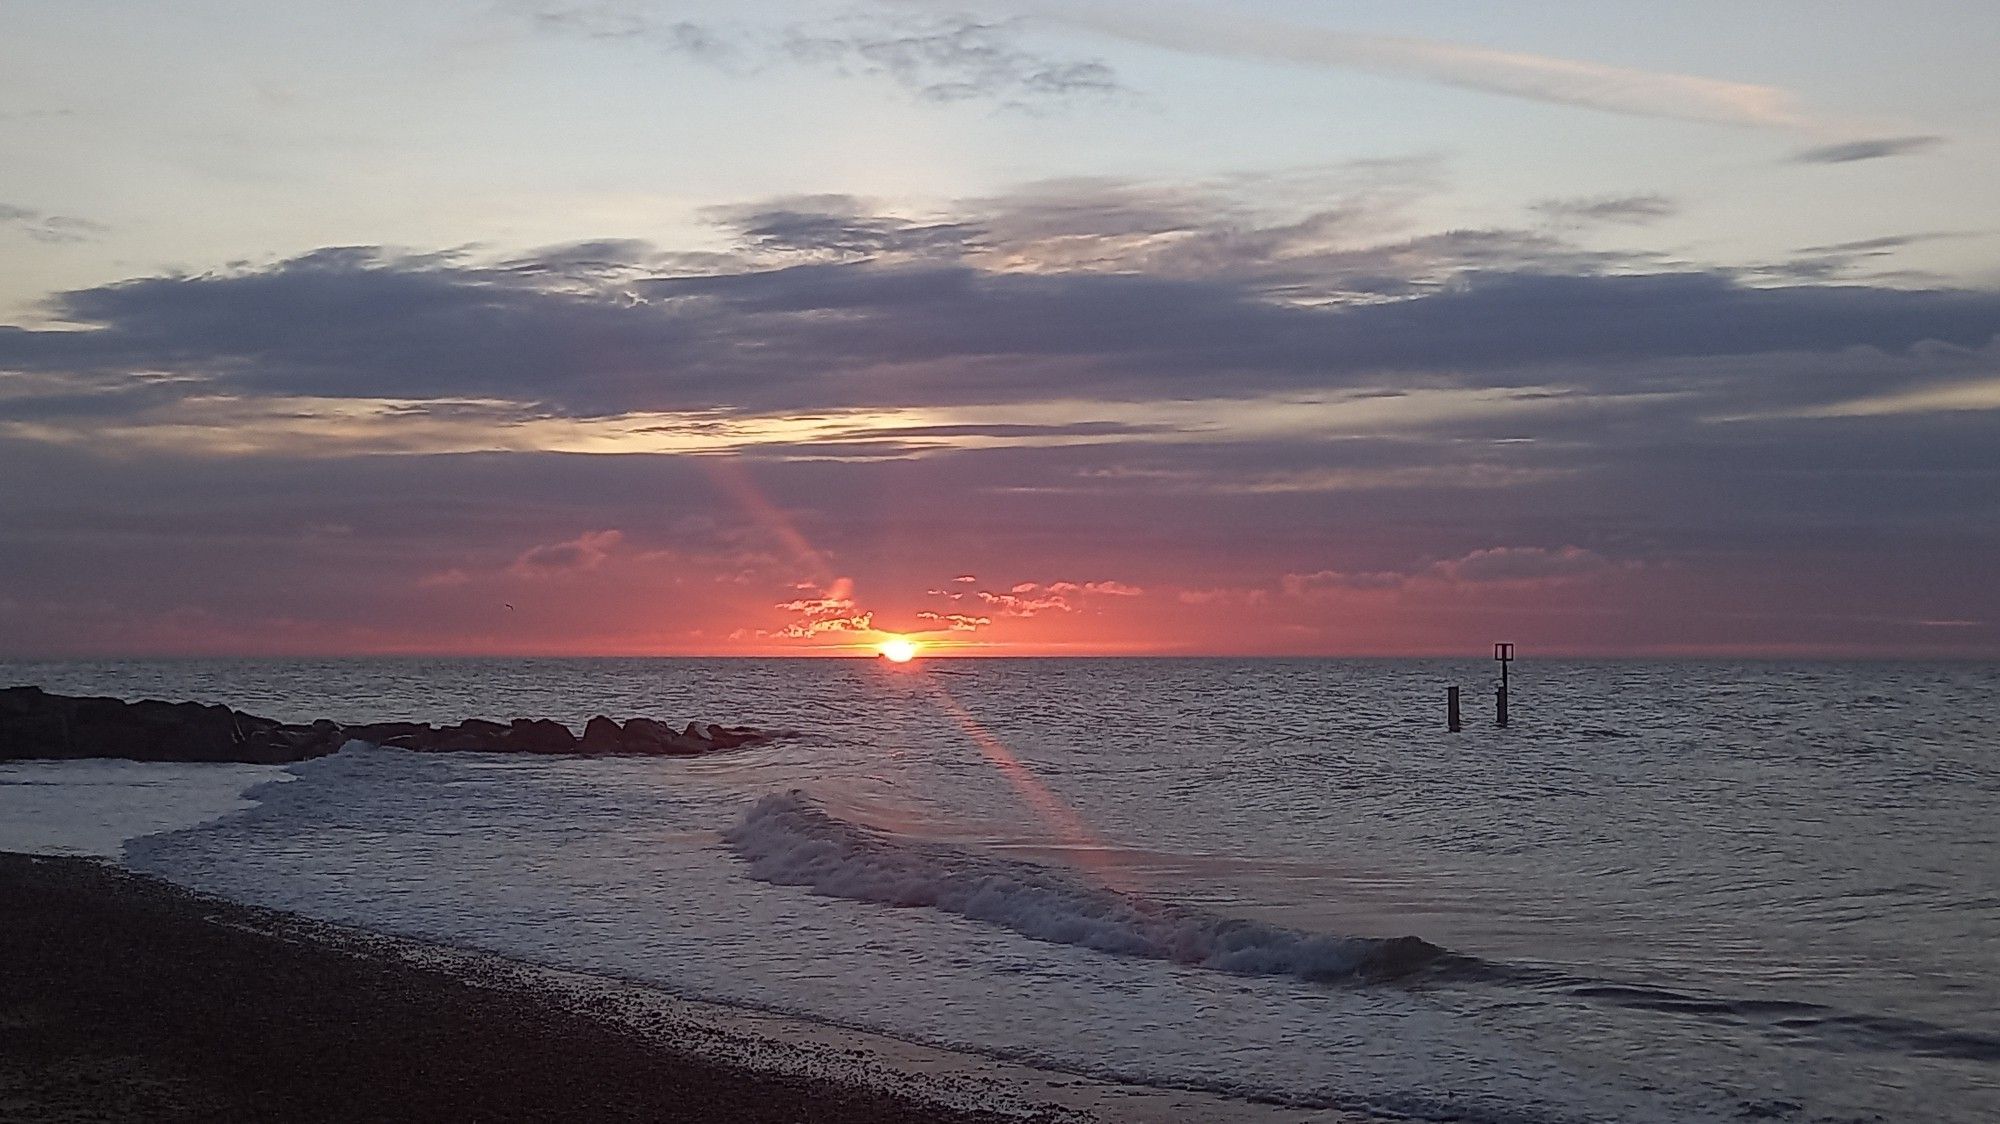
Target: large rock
pixel 539 735
pixel 34 723
pixel 729 737
pixel 278 743
pixel 602 735
pixel 474 735
pixel 644 735
pixel 403 735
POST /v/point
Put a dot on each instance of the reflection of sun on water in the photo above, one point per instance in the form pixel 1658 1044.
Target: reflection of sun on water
pixel 898 649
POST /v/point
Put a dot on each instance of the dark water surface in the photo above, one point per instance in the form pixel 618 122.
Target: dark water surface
pixel 1670 891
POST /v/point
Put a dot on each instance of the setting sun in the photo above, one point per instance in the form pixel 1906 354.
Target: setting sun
pixel 898 649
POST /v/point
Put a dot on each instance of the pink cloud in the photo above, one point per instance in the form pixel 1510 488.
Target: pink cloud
pixel 956 622
pixel 799 630
pixel 1107 589
pixel 1028 599
pixel 832 611
pixel 817 606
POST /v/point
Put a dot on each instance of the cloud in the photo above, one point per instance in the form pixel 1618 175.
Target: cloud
pixel 44 227
pixel 1320 582
pixel 837 228
pixel 1201 400
pixel 694 353
pixel 1973 394
pixel 1503 565
pixel 1848 259
pixel 610 21
pixel 816 626
pixel 1514 74
pixel 998 323
pixel 583 553
pixel 955 59
pixel 829 610
pixel 1892 511
pixel 943 58
pixel 1030 599
pixel 1520 564
pixel 1877 148
pixel 1635 210
pixel 817 606
pixel 955 622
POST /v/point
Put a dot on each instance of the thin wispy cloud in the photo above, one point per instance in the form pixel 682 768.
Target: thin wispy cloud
pixel 949 56
pixel 44 227
pixel 943 58
pixel 1878 148
pixel 1515 74
pixel 1544 78
pixel 1632 210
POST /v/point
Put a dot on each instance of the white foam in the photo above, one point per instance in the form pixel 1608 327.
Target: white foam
pixel 95 806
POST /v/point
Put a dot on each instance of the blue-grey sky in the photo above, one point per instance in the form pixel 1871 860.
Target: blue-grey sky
pixel 1185 326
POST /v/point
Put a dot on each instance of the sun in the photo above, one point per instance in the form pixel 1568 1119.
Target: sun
pixel 898 649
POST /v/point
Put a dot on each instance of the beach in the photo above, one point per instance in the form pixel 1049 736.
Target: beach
pixel 123 998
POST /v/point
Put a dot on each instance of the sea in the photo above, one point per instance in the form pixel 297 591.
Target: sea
pixel 1667 891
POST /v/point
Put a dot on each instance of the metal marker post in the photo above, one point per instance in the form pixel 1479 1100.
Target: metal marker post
pixel 1505 654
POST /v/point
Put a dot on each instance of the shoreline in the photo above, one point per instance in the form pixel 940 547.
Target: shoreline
pixel 123 996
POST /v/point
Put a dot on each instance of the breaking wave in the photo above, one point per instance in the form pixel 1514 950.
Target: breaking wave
pixel 788 840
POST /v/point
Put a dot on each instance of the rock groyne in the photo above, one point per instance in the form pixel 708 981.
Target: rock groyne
pixel 39 724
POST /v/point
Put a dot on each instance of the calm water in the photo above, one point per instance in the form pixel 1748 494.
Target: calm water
pixel 1672 891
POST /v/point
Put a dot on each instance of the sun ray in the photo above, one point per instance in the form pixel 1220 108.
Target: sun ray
pixel 1089 852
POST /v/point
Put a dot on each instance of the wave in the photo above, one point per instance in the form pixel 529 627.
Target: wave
pixel 788 840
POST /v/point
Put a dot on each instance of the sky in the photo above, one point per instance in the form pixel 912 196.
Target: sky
pixel 625 327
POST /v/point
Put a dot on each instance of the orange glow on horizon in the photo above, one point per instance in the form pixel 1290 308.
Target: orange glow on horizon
pixel 898 649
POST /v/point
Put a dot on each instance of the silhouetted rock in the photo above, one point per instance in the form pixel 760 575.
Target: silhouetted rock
pixel 729 737
pixel 474 735
pixel 645 732
pixel 37 724
pixel 648 736
pixel 399 734
pixel 34 723
pixel 602 735
pixel 540 735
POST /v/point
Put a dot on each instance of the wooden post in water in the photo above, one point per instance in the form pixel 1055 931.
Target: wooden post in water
pixel 1505 654
pixel 1451 707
